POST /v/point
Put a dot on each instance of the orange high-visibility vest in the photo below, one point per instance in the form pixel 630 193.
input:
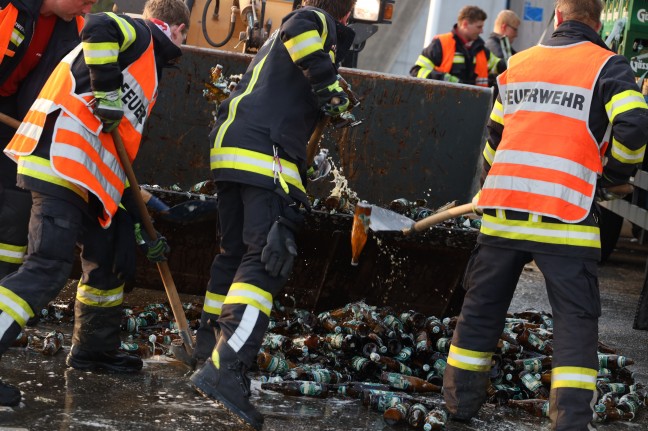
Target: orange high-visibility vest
pixel 548 161
pixel 449 46
pixel 8 17
pixel 80 152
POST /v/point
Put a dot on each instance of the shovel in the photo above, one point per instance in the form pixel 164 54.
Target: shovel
pixel 384 220
pixel 182 354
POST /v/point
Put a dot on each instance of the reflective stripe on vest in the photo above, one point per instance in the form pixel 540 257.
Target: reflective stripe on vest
pixel 8 17
pixel 40 168
pixel 549 171
pixel 451 56
pixel 80 152
pixel 570 234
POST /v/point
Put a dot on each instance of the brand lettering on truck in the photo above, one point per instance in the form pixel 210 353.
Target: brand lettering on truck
pixel 642 15
pixel 545 96
pixel 638 65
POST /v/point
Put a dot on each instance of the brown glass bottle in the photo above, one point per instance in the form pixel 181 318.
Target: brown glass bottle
pixel 359 230
pixel 435 420
pixel 408 383
pixel 416 415
pixel 273 364
pixel 530 383
pixel 355 389
pixel 298 388
pixel 391 364
pixel 52 343
pixel 614 362
pixel 355 327
pixel 534 365
pixel 413 320
pixel 539 408
pixel 396 414
pixel 533 342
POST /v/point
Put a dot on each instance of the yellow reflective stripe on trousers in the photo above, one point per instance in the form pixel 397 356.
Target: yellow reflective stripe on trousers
pixel 550 233
pixel 12 253
pixel 100 298
pixel 252 161
pixel 574 377
pixel 469 360
pixel 40 168
pixel 244 293
pixel 625 154
pixel 213 303
pixel 15 307
pixel 231 114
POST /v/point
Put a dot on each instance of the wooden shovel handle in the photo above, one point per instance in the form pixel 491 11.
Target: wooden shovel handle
pixel 163 267
pixel 438 218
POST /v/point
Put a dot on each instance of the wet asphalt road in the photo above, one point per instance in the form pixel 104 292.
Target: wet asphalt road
pixel 160 398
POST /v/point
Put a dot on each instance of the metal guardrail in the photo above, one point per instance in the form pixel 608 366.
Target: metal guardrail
pixel 633 211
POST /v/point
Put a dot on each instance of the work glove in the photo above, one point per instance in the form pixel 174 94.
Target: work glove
pixel 450 78
pixel 108 107
pixel 325 95
pixel 281 249
pixel 154 249
pixel 124 238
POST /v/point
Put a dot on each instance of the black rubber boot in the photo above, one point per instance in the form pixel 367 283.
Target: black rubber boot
pixel 464 392
pixel 114 360
pixel 223 378
pixel 9 395
pixel 207 336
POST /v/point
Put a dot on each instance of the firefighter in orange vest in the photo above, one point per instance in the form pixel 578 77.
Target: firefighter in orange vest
pixel 538 197
pixel 34 36
pixel 460 56
pixel 67 159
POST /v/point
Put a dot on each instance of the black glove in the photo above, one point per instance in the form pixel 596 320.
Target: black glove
pixel 281 249
pixel 325 95
pixel 124 259
pixel 108 107
pixel 154 249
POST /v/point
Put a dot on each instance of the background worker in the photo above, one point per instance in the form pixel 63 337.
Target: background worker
pixel 258 159
pixel 67 159
pixel 34 36
pixel 538 202
pixel 460 55
pixel 504 33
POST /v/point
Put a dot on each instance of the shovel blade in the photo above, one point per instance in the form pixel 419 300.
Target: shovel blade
pixel 384 220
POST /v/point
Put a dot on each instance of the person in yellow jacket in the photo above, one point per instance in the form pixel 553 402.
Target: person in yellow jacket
pixel 67 159
pixel 460 55
pixel 568 123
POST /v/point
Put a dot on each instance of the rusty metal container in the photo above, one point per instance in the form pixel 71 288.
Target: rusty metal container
pixel 419 139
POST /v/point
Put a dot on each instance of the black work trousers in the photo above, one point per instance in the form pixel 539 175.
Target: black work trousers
pixel 55 228
pixel 572 287
pixel 240 291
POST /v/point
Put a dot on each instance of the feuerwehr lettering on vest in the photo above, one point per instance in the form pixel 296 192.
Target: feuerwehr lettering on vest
pixel 133 102
pixel 545 96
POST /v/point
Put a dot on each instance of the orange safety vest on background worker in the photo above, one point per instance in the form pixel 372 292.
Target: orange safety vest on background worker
pixel 80 153
pixel 449 46
pixel 559 181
